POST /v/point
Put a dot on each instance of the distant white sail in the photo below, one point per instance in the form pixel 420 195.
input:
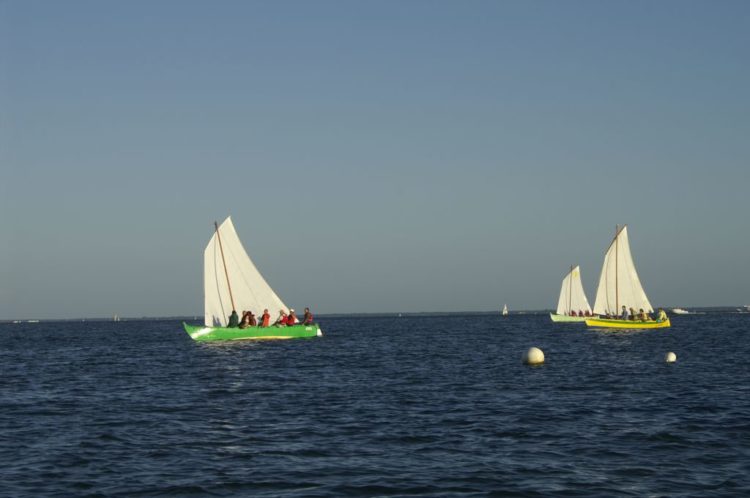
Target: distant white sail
pixel 249 288
pixel 572 296
pixel 619 284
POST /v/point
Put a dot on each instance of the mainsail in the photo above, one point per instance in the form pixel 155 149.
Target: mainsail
pixel 572 296
pixel 619 284
pixel 248 287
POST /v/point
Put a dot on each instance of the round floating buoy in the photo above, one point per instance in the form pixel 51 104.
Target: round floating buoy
pixel 534 356
pixel 670 358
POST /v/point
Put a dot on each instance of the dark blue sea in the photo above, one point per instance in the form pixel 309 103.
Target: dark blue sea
pixel 421 405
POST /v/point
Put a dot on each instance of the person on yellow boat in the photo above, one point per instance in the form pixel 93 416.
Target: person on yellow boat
pixel 643 316
pixel 661 316
pixel 624 314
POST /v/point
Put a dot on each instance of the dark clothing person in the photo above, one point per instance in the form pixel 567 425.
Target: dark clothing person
pixel 253 322
pixel 308 318
pixel 245 323
pixel 234 320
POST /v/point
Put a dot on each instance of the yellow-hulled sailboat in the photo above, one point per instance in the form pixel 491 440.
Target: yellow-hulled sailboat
pixel 620 286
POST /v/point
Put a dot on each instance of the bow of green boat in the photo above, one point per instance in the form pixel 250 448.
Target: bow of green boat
pixel 203 333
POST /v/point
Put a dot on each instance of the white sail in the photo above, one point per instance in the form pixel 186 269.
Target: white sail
pixel 505 309
pixel 619 284
pixel 572 296
pixel 249 288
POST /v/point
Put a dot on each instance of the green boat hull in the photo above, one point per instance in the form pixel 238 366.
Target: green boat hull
pixel 203 333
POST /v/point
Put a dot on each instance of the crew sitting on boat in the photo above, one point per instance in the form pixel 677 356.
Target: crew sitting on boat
pixel 291 318
pixel 643 316
pixel 281 321
pixel 245 322
pixel 265 319
pixel 248 320
pixel 661 316
pixel 573 313
pixel 234 320
pixel 307 319
pixel 624 314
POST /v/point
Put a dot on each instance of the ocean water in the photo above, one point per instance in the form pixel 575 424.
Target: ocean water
pixel 379 406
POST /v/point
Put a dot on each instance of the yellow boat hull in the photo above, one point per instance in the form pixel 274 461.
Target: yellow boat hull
pixel 626 324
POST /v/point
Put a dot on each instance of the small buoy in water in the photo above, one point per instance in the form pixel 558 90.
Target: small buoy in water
pixel 534 356
pixel 671 357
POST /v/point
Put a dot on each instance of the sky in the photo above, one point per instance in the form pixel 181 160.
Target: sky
pixel 382 156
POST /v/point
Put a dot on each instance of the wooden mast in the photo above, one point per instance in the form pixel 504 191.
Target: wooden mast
pixel 570 289
pixel 617 286
pixel 223 261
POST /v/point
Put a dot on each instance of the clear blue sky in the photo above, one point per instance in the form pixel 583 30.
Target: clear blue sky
pixel 375 156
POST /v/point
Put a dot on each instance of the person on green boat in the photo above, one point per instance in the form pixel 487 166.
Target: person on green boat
pixel 308 318
pixel 245 322
pixel 234 320
pixel 292 319
pixel 661 316
pixel 248 320
pixel 281 321
pixel 266 319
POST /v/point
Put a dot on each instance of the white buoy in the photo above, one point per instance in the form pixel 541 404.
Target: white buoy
pixel 671 357
pixel 534 356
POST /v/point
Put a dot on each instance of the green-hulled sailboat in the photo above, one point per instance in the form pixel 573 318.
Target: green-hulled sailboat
pixel 232 282
pixel 572 299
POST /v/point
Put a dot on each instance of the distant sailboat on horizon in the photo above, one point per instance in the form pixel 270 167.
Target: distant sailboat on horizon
pixel 505 310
